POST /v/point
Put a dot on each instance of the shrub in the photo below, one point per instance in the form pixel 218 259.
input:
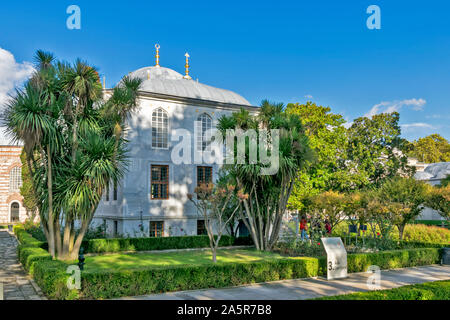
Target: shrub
pixel 28 256
pixel 393 259
pixel 439 290
pixel 438 223
pixel 111 284
pixel 131 244
pixel 428 234
pixel 25 238
pixel 51 276
pixel 163 243
pixel 413 232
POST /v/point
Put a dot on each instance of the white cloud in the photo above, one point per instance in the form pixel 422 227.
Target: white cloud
pixel 391 106
pixel 308 96
pixel 438 116
pixel 417 125
pixel 12 75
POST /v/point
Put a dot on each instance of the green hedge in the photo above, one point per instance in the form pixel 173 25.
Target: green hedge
pixel 163 243
pixel 28 256
pixel 393 259
pixel 51 276
pixel 432 222
pixel 104 285
pixel 29 251
pixel 137 244
pixel 439 290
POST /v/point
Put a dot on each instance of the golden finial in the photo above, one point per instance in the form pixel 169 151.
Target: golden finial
pixel 104 82
pixel 157 46
pixel 148 74
pixel 187 66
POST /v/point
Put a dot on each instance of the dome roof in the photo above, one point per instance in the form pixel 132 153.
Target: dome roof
pixel 433 171
pixel 167 81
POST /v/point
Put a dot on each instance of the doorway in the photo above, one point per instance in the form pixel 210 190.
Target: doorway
pixel 15 214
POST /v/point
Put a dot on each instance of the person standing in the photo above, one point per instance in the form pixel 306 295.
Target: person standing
pixel 328 226
pixel 303 228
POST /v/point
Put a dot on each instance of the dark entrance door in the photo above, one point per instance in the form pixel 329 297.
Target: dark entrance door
pixel 242 229
pixel 14 212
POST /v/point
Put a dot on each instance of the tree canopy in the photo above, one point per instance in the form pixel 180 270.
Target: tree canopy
pixel 431 149
pixel 268 194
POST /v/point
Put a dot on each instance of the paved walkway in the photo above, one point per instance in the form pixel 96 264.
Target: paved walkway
pixel 16 284
pixel 300 289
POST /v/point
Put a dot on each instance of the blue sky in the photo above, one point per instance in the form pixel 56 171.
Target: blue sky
pixel 287 51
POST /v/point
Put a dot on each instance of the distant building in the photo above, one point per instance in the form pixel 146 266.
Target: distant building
pixel 432 174
pixel 11 201
pixel 420 166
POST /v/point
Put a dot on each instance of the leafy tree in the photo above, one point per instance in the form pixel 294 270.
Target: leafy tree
pixel 356 207
pixel 328 205
pixel 403 199
pixel 72 144
pixel 267 194
pixel 376 149
pixel 431 149
pixel 439 200
pixel 328 140
pixel 212 203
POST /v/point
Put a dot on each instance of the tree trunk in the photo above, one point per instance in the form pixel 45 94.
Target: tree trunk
pixel 401 229
pixel 66 238
pixel 73 255
pixel 50 222
pixel 214 254
pixel 72 236
pixel 58 241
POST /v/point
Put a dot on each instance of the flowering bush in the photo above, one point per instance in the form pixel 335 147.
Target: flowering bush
pixel 297 248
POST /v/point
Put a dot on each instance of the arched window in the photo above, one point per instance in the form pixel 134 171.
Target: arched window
pixel 204 123
pixel 160 129
pixel 15 179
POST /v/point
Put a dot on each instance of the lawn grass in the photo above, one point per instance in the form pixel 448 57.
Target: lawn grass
pixel 180 258
pixel 438 290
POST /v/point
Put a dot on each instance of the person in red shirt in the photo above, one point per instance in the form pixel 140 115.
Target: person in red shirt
pixel 303 228
pixel 328 226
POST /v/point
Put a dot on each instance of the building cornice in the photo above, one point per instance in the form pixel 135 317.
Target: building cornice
pixel 193 101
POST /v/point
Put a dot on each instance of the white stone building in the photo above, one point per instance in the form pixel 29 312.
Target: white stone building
pixel 432 174
pixel 152 198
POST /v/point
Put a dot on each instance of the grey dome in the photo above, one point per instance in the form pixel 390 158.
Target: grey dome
pixel 167 81
pixel 433 171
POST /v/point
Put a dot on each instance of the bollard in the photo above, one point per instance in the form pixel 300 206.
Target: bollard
pixel 81 259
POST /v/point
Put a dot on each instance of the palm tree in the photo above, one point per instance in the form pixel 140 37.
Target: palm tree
pixel 72 149
pixel 268 194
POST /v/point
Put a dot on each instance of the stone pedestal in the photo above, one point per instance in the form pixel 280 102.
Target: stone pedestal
pixel 446 256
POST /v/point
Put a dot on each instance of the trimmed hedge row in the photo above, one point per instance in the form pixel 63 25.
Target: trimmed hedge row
pixel 438 290
pixel 163 243
pixel 138 244
pixel 51 276
pixel 29 250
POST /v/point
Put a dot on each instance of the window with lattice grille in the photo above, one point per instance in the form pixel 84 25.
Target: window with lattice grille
pixel 15 179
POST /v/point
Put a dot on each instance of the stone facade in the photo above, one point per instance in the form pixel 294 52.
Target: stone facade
pixel 130 209
pixel 10 180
